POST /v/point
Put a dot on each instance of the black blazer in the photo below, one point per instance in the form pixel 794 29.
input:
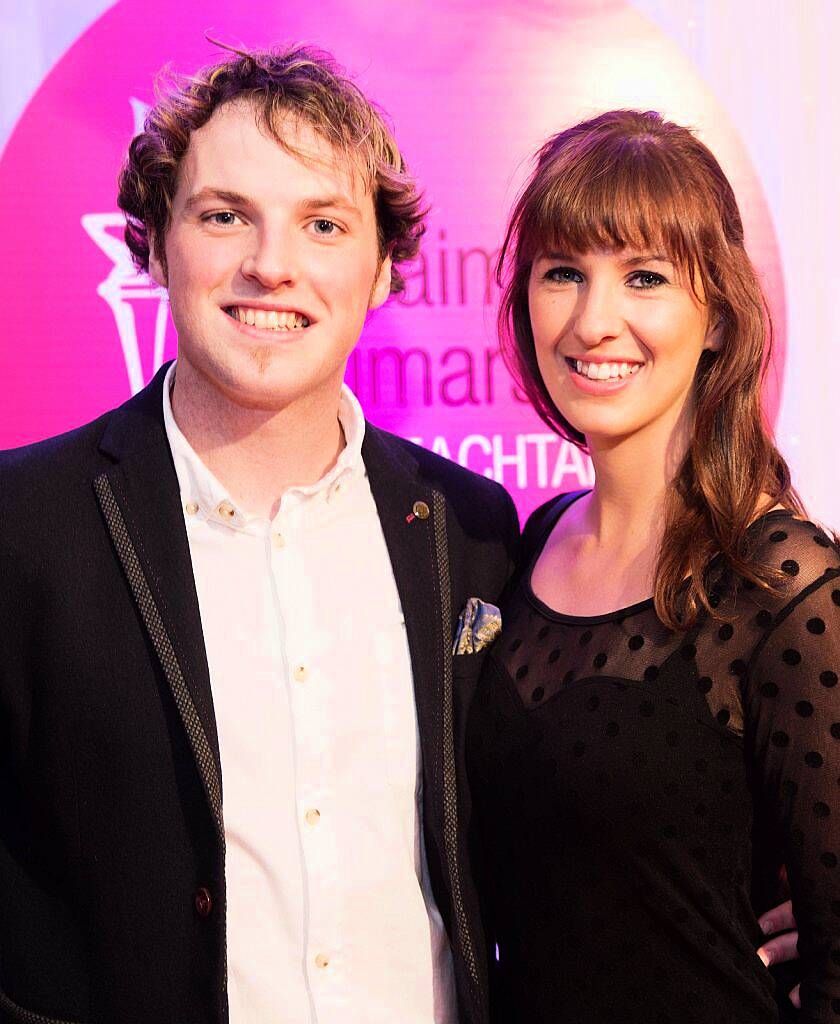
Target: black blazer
pixel 112 885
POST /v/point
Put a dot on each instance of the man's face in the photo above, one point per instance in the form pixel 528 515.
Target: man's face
pixel 272 263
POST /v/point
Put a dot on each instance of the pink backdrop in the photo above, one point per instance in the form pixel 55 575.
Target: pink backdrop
pixel 472 92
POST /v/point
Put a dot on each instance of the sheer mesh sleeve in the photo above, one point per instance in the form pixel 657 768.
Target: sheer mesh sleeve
pixel 792 736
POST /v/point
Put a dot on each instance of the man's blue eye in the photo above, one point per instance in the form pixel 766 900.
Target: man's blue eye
pixel 324 227
pixel 225 217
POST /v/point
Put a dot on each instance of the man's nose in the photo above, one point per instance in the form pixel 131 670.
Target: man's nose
pixel 273 262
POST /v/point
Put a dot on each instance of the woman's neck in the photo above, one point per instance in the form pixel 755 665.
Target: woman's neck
pixel 633 477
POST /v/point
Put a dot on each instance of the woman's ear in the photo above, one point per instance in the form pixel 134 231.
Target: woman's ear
pixel 714 335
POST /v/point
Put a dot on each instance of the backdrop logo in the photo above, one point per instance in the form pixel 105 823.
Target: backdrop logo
pixel 125 285
pixel 470 100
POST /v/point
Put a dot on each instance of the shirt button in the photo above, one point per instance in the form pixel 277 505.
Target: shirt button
pixel 227 510
pixel 300 674
pixel 191 507
pixel 278 540
pixel 421 510
pixel 322 960
pixel 312 816
pixel 203 902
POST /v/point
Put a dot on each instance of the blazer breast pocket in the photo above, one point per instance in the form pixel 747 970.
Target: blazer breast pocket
pixel 469 666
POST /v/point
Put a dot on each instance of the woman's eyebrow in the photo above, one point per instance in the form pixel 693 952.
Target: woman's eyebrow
pixel 555 256
pixel 634 261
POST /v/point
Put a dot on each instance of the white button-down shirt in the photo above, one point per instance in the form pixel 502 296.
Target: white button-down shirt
pixel 330 915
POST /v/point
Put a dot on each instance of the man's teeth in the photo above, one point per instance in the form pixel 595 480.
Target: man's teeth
pixel 606 371
pixel 269 319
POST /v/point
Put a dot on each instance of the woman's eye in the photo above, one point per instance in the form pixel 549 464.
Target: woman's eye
pixel 325 227
pixel 646 279
pixel 225 218
pixel 564 275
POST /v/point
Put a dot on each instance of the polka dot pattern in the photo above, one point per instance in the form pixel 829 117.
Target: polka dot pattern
pixel 607 749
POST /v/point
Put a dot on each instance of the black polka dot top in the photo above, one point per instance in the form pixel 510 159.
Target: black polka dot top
pixel 636 792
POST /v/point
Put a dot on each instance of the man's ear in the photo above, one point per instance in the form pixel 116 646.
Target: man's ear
pixel 157 267
pixel 382 285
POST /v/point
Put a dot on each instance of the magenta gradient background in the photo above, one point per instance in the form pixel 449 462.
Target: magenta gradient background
pixel 472 92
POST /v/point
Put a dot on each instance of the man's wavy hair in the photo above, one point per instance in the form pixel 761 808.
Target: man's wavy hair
pixel 629 178
pixel 297 82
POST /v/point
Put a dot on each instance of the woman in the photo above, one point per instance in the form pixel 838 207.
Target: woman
pixel 657 729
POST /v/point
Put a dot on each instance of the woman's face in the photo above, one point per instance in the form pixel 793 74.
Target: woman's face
pixel 618 335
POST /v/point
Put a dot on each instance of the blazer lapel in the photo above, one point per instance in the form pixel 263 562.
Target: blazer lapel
pixel 141 505
pixel 417 539
pixel 397 489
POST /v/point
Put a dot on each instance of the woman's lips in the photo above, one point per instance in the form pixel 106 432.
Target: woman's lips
pixel 604 377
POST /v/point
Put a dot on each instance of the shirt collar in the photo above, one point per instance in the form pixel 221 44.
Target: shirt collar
pixel 205 497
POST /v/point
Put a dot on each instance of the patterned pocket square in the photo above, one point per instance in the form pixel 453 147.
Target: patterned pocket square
pixel 478 626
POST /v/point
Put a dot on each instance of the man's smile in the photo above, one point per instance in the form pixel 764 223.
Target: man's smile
pixel 269 319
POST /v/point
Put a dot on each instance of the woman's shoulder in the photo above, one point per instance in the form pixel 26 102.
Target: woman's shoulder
pixel 804 586
pixel 802 551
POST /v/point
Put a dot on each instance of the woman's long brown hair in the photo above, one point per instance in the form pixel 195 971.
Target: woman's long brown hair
pixel 629 178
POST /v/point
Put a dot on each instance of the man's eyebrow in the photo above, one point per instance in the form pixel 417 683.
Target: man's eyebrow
pixel 222 195
pixel 336 201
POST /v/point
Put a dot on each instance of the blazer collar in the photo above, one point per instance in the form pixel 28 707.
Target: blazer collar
pixel 137 424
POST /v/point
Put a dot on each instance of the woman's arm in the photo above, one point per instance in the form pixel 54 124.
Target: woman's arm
pixel 792 733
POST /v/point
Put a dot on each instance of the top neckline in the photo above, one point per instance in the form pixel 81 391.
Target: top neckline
pixel 618 613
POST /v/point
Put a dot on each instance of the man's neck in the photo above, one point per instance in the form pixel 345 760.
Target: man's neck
pixel 258 454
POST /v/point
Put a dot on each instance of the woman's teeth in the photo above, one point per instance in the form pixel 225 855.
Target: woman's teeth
pixel 268 319
pixel 604 371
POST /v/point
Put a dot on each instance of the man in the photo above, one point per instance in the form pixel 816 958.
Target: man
pixel 233 581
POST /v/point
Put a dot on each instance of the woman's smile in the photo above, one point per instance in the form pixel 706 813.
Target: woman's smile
pixel 602 378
